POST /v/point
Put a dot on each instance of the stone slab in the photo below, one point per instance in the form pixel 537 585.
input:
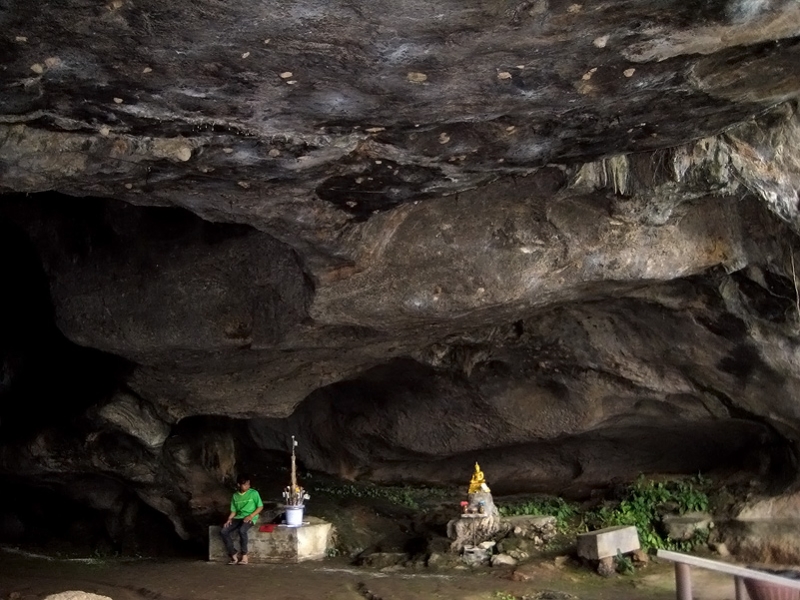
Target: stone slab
pixel 283 545
pixel 607 542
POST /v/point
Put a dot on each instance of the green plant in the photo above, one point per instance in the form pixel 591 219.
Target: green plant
pixel 504 596
pixel 559 508
pixel 624 564
pixel 643 504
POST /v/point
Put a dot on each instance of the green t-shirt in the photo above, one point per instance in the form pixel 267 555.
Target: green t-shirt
pixel 246 504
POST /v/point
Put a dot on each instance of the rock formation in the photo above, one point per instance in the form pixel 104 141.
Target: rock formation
pixel 559 237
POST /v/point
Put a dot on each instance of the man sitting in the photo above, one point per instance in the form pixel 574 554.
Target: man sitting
pixel 246 504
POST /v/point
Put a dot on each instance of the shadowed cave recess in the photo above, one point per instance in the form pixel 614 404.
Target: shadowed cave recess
pixel 556 238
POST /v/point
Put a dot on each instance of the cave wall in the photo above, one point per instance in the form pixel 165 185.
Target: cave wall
pixel 554 236
pixel 595 374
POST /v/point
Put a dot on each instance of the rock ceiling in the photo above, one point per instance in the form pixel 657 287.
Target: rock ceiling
pixel 568 228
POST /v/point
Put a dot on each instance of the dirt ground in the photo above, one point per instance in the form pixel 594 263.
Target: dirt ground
pixel 31 578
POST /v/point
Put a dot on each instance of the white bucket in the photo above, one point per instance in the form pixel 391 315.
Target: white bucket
pixel 294 516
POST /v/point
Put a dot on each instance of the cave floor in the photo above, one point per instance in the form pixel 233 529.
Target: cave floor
pixel 26 578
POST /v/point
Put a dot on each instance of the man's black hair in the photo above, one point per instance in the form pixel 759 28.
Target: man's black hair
pixel 242 478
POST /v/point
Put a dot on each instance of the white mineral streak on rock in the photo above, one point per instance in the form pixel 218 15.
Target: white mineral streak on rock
pixel 707 40
pixel 135 417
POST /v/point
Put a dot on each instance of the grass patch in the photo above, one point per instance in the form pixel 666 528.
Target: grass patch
pixel 564 512
pixel 405 496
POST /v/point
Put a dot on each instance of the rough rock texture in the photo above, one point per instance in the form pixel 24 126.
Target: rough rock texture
pixel 762 541
pixel 559 238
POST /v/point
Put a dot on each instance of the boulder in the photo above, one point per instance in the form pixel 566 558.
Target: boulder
pixel 684 527
pixel 762 541
pixel 540 529
pixel 503 560
pixel 475 556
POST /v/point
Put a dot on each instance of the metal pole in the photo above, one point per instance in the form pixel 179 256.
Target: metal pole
pixel 683 581
pixel 741 591
pixel 294 467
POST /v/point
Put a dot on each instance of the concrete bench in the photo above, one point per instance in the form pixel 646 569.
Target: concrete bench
pixel 608 542
pixel 282 545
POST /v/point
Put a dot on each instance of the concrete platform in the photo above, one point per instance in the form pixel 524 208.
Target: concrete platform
pixel 607 542
pixel 283 545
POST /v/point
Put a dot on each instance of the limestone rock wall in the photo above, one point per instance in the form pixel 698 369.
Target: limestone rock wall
pixel 555 236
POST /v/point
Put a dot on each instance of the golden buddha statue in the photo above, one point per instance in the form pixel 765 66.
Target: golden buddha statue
pixel 478 483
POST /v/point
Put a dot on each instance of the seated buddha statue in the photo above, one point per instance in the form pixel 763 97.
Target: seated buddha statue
pixel 478 482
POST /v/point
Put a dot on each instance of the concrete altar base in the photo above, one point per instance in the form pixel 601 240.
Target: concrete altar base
pixel 283 545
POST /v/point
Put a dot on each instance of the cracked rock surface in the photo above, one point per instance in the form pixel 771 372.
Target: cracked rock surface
pixel 555 237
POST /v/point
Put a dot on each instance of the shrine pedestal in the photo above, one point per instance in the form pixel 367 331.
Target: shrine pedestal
pixel 283 545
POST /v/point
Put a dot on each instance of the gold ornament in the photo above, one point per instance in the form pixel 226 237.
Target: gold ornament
pixel 478 483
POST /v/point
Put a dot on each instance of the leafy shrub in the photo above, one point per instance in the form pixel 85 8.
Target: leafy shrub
pixel 643 504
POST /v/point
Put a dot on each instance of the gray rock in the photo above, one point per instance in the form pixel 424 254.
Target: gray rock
pixel 762 541
pixel 503 560
pixel 439 560
pixel 684 527
pixel 540 529
pixel 475 556
pixel 606 567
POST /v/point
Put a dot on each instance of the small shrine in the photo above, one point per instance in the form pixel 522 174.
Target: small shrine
pixel 298 538
pixel 294 496
pixel 479 520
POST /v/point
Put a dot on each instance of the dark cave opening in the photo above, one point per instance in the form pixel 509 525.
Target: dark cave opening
pixel 82 515
pixel 46 379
